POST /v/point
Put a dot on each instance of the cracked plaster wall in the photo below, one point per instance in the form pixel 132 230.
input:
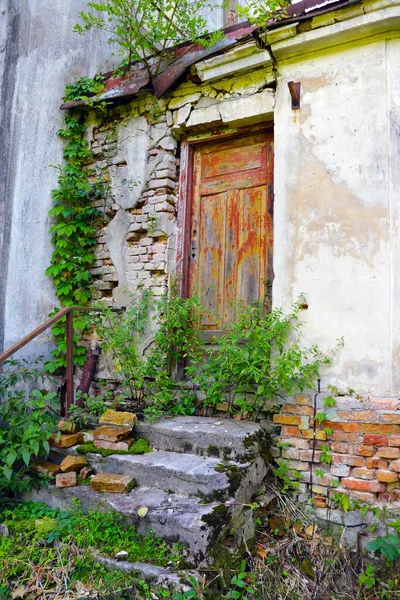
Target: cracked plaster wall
pixel 39 54
pixel 335 219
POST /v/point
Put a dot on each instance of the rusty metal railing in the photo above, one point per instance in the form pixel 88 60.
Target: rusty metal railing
pixel 66 312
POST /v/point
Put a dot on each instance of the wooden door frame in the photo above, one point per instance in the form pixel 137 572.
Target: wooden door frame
pixel 186 188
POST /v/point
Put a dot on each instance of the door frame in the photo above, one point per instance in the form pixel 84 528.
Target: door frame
pixel 186 188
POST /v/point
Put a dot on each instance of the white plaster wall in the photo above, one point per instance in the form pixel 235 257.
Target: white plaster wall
pixel 333 208
pixel 49 55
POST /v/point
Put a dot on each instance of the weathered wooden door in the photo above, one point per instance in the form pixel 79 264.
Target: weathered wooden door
pixel 231 225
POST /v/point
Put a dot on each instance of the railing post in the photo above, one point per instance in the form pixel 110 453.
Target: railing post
pixel 70 360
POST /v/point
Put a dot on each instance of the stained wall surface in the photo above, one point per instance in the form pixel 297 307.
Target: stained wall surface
pixel 39 54
pixel 336 211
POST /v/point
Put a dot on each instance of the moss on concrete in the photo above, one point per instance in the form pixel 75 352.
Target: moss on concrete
pixel 140 446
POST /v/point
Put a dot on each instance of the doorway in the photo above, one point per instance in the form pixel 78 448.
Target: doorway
pixel 229 224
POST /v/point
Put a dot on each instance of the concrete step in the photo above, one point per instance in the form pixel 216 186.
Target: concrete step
pixel 174 518
pixel 184 474
pixel 205 436
pixel 160 577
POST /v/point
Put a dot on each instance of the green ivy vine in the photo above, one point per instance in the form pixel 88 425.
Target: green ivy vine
pixel 74 228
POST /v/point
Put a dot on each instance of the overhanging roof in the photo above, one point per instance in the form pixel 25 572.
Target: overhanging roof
pixel 130 84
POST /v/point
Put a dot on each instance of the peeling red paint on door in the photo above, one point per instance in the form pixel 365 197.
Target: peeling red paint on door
pixel 230 253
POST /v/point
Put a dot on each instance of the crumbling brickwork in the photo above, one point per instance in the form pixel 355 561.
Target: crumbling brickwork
pixel 364 448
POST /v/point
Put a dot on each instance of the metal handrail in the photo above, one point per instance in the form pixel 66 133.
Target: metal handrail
pixel 66 312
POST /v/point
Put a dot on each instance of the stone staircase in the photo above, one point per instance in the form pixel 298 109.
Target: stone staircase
pixel 197 485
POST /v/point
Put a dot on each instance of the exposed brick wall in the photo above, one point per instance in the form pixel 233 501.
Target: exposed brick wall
pixel 364 447
pixel 146 246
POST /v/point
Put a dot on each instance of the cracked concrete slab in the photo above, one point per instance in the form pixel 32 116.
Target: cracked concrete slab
pixel 201 435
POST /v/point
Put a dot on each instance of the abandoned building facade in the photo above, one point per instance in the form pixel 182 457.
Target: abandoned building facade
pixel 268 165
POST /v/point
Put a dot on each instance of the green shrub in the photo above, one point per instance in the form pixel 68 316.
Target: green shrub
pixel 29 419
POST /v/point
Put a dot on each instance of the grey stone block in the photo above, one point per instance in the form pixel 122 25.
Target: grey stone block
pixel 174 518
pixel 202 435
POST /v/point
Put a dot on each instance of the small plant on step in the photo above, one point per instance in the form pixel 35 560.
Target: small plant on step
pixel 88 408
pixel 177 344
pixel 122 334
pixel 260 358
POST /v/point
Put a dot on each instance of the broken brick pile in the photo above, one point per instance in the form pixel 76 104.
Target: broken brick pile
pixel 114 433
pixel 364 448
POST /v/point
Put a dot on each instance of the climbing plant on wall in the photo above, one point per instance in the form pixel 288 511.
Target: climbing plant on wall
pixel 73 232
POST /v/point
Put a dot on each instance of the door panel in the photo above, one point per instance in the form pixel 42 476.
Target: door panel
pixel 231 225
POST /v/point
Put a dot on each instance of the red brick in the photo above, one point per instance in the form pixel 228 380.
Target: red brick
pixel 360 416
pixel 340 447
pixel 379 429
pixel 395 466
pixel 363 486
pixel 297 465
pixel 383 404
pixel 303 400
pixel 346 427
pixel 296 442
pixel 293 453
pixel 325 480
pixel 390 417
pixel 319 435
pixel 320 490
pixel 286 420
pixel 342 436
pixel 364 450
pixel 363 473
pixel 347 459
pixel 362 496
pixel 394 440
pixel 375 463
pixel 387 452
pixel 387 476
pixel 319 502
pixel 392 495
pixel 66 479
pixel 340 470
pixel 293 409
pixel 306 455
pixel 290 431
pixel 375 440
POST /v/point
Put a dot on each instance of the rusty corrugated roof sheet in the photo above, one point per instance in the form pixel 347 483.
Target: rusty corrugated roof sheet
pixel 185 55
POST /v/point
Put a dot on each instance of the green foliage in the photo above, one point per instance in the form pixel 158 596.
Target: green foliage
pixel 177 341
pixel 260 12
pixel 28 419
pixel 286 476
pixel 49 540
pixel 367 577
pixel 176 337
pixel 145 30
pixel 244 585
pixel 388 546
pixel 259 358
pixel 73 235
pixel 140 446
pixel 84 88
pixel 92 407
pixel 121 334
